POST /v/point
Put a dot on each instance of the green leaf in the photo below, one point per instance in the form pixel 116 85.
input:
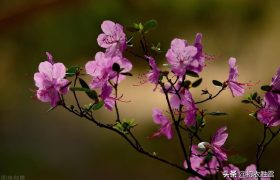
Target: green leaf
pixel 149 25
pixel 191 73
pixel 186 84
pixel 197 83
pixel 200 121
pixel 216 113
pixel 126 74
pixel 236 159
pixel 97 105
pixel 245 101
pixel 266 88
pixel 254 95
pixel 125 126
pixel 217 83
pixel 132 28
pixel 72 71
pixel 91 93
pixel 78 89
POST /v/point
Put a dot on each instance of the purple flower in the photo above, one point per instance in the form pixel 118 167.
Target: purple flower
pixel 154 73
pixel 276 81
pixel 215 147
pixel 252 169
pixel 105 95
pixel 203 166
pixel 236 88
pixel 183 57
pixel 270 114
pixel 101 69
pixel 162 120
pixel 113 38
pixel 218 141
pixel 189 106
pixel 50 82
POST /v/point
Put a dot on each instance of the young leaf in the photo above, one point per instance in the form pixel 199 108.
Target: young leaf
pixel 97 105
pixel 91 93
pixel 72 71
pixel 197 83
pixel 217 83
pixel 191 73
pixel 266 88
pixel 78 89
pixel 254 95
pixel 245 101
pixel 236 159
pixel 149 25
pixel 126 73
pixel 186 84
pixel 216 113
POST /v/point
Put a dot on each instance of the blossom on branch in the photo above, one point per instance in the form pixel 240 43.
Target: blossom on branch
pixel 50 81
pixel 236 88
pixel 162 120
pixel 113 38
pixel 182 56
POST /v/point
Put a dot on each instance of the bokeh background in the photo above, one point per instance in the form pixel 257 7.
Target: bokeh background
pixel 57 145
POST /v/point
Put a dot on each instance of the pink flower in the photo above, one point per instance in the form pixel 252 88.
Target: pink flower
pixel 218 141
pixel 50 82
pixel 162 120
pixel 105 95
pixel 183 57
pixel 101 69
pixel 154 74
pixel 215 147
pixel 276 81
pixel 252 169
pixel 236 88
pixel 113 38
pixel 203 166
pixel 270 114
pixel 189 106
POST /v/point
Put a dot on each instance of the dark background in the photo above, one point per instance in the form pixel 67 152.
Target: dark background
pixel 57 145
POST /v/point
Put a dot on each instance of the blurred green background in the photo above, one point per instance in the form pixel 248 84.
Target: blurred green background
pixel 58 145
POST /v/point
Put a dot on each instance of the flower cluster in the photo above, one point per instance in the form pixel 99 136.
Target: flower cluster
pixel 185 62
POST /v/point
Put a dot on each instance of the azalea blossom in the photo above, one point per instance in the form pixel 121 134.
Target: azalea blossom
pixel 206 156
pixel 101 69
pixel 189 106
pixel 113 38
pixel 270 114
pixel 50 81
pixel 162 120
pixel 203 166
pixel 105 95
pixel 250 169
pixel 236 88
pixel 154 73
pixel 183 57
pixel 275 83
